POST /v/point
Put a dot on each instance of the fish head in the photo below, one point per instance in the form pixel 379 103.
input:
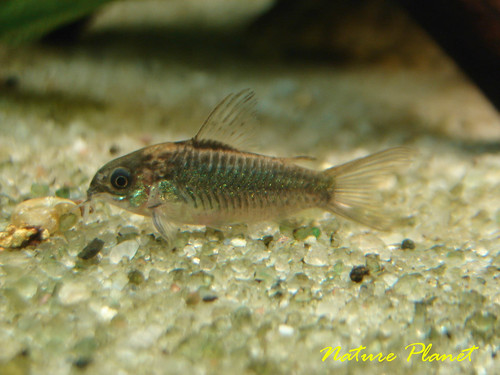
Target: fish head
pixel 123 182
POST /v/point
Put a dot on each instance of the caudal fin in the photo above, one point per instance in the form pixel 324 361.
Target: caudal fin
pixel 354 192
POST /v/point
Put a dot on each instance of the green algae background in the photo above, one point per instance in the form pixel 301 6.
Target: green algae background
pixel 28 20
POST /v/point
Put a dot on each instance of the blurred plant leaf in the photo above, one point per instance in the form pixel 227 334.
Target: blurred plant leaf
pixel 26 20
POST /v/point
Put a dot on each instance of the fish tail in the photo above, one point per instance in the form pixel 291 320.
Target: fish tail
pixel 354 192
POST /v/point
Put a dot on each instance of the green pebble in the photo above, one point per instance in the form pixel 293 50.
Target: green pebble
pixel 135 277
pixel 301 234
pixel 85 347
pixel 39 190
pixel 316 232
pixel 373 263
pixel 63 192
pixel 67 221
pixel 338 267
pixel 482 324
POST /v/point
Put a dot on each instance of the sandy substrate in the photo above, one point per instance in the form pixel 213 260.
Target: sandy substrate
pixel 263 299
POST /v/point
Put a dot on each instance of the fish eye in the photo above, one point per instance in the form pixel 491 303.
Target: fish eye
pixel 120 178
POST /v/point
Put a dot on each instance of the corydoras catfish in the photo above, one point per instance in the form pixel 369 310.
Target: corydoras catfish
pixel 209 180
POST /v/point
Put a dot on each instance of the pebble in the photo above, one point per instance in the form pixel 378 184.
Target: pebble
pixel 410 285
pixel 143 338
pixel 407 244
pixel 316 256
pixel 286 330
pixel 125 249
pixel 15 238
pixel 358 272
pixel 73 292
pixel 267 240
pixel 135 277
pixel 26 287
pixel 82 362
pixel 300 234
pixel 238 242
pixel 92 249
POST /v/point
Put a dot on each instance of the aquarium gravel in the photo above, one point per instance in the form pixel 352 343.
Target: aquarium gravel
pixel 314 294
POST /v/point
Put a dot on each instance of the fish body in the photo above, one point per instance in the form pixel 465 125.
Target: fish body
pixel 208 181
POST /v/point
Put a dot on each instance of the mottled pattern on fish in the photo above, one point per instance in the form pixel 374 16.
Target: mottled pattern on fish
pixel 208 180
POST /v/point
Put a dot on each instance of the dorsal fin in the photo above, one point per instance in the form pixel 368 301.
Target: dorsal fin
pixel 227 126
pixel 299 158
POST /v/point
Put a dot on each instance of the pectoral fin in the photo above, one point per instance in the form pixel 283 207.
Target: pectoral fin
pixel 163 225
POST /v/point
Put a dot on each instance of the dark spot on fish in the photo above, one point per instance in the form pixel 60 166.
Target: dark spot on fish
pixel 165 155
pixel 147 157
pixel 211 145
pixel 92 249
pixel 155 164
pixel 358 272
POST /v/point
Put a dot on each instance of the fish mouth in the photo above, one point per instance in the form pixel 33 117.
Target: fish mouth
pixel 92 194
pixel 85 202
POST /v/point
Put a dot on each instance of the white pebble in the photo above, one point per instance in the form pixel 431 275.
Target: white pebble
pixel 286 330
pixel 73 292
pixel 481 251
pixel 310 240
pixel 143 338
pixel 390 279
pixel 238 242
pixel 106 313
pixel 316 256
pixel 126 249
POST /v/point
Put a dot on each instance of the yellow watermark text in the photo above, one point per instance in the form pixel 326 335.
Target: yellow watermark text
pixel 417 351
pixel 425 357
pixel 353 354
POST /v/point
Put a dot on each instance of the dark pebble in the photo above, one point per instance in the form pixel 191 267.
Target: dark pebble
pixel 358 272
pixel 63 192
pixel 10 82
pixel 192 299
pixel 92 249
pixel 407 244
pixel 209 298
pixel 114 149
pixel 135 277
pixel 267 240
pixel 82 362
